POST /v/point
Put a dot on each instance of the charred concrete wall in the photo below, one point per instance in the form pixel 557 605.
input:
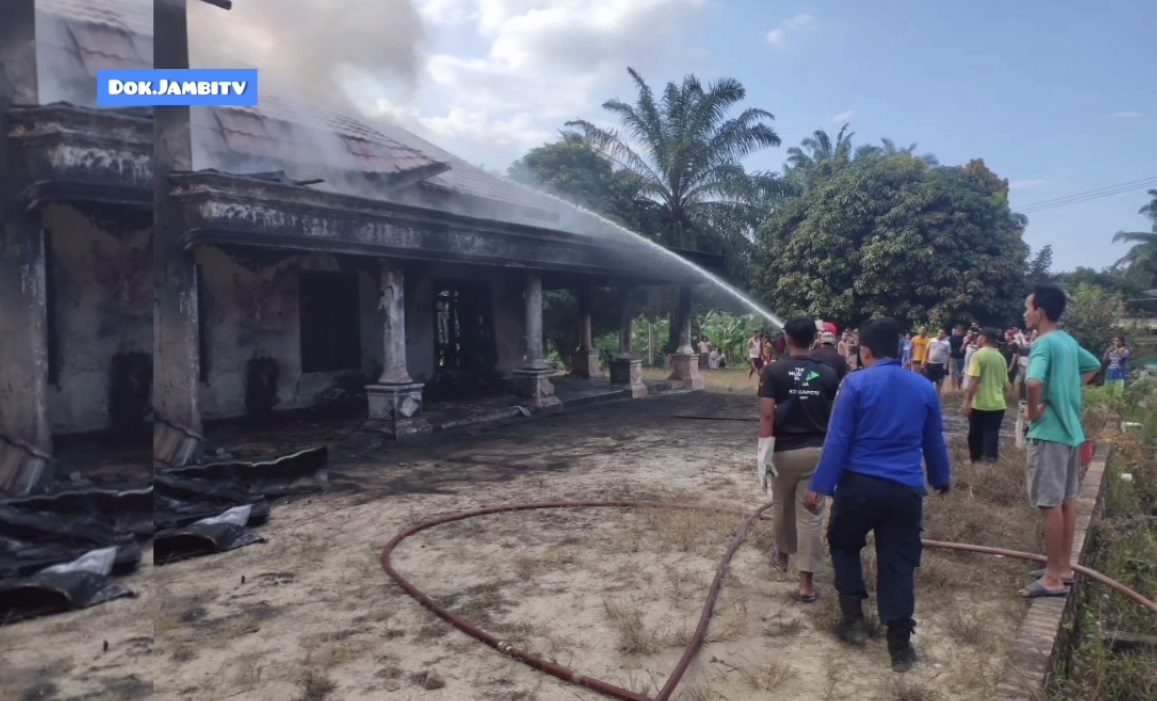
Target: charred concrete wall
pixel 251 312
pixel 102 316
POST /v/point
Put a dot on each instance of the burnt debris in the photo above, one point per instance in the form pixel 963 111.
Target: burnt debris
pixel 62 551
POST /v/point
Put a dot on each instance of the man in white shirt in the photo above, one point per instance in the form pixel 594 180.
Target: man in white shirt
pixel 755 354
pixel 936 359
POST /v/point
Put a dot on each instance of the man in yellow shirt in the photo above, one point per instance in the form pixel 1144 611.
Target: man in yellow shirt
pixel 986 404
pixel 920 349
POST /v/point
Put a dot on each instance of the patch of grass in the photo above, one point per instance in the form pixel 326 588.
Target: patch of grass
pixel 784 627
pixel 766 676
pixel 1123 546
pixel 633 634
pixel 725 381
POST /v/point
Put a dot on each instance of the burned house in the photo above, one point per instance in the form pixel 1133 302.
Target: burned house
pixel 292 254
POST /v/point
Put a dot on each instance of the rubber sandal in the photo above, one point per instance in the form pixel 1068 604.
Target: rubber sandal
pixel 1036 590
pixel 1038 574
pixel 774 559
pixel 810 599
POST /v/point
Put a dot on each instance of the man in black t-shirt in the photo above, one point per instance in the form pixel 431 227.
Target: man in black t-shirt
pixel 796 397
pixel 827 354
pixel 956 356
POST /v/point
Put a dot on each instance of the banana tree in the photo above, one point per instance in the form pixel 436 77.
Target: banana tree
pixel 728 333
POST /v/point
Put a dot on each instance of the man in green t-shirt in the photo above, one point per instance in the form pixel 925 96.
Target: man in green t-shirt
pixel 1058 369
pixel 985 405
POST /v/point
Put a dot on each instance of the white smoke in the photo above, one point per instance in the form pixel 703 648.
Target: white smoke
pixel 312 49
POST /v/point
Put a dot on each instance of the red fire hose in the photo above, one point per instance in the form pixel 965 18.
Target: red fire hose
pixel 697 640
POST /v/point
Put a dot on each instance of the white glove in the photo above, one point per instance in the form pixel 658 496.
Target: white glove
pixel 765 463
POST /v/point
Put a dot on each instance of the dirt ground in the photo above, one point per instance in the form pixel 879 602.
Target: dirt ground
pixel 310 614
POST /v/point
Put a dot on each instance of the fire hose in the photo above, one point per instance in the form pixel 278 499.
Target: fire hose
pixel 697 640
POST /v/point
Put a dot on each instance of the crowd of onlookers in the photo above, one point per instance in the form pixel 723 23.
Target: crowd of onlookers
pixel 982 363
pixel 874 442
pixel 945 359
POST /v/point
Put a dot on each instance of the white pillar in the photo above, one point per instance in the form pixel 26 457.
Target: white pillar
pixel 393 308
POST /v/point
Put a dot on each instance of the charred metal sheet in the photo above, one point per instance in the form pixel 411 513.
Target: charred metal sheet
pixel 181 501
pixel 30 541
pixel 216 534
pixel 126 511
pixel 24 469
pixel 77 584
pixel 173 445
pixel 296 473
pixel 42 531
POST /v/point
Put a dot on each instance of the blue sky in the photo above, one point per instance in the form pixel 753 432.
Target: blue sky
pixel 1057 97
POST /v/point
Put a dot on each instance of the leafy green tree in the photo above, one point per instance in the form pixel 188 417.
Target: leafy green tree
pixel 1040 268
pixel 1125 284
pixel 898 237
pixel 1092 317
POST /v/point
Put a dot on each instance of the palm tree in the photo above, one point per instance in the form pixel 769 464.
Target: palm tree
pixel 1142 255
pixel 686 154
pixel 819 155
pixel 819 148
pixel 890 150
pixel 1150 210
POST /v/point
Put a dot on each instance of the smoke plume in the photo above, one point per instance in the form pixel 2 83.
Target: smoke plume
pixel 311 48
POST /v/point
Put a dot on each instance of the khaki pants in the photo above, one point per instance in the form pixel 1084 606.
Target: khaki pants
pixel 798 531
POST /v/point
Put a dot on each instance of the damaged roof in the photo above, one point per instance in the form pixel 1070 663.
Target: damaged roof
pixel 78 37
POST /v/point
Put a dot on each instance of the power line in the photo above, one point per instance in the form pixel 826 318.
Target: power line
pixel 1088 195
pixel 1076 200
pixel 1107 187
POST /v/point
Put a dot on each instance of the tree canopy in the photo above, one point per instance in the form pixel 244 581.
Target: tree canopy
pixel 847 232
pixel 896 236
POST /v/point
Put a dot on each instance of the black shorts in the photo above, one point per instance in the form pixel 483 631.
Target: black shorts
pixel 935 371
pixel 757 363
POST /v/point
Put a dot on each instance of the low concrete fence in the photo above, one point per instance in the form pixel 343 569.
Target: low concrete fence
pixel 1045 640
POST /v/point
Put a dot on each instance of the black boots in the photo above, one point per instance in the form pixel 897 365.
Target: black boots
pixel 851 628
pixel 900 648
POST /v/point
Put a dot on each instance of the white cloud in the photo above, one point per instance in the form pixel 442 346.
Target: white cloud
pixel 1128 115
pixel 447 13
pixel 844 117
pixel 1016 185
pixel 532 65
pixel 778 36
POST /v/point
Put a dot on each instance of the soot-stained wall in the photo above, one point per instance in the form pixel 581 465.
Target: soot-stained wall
pixel 102 298
pixel 251 310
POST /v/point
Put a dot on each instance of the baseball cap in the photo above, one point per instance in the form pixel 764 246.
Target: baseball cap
pixel 828 337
